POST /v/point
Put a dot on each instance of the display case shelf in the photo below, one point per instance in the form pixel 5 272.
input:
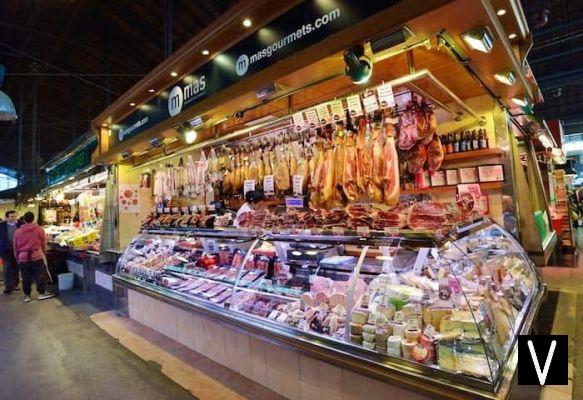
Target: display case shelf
pixel 473 155
pixel 446 189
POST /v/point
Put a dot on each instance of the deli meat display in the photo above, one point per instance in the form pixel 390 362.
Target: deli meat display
pixel 452 305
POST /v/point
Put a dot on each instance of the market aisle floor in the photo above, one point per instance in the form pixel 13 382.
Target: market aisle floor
pixel 52 350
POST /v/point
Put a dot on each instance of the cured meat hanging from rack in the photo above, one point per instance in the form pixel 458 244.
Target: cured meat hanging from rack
pixel 375 156
pixel 328 167
pixel 316 179
pixel 339 159
pixel 420 113
pixel 201 168
pixel 281 175
pixel 416 158
pixel 408 134
pixel 390 162
pixel 361 162
pixel 350 168
pixel 435 154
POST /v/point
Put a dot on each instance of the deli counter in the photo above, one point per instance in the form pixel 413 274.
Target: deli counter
pixel 438 314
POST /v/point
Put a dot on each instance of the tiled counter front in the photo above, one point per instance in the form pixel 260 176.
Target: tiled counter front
pixel 287 372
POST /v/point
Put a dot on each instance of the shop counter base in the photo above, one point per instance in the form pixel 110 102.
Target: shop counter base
pixel 285 369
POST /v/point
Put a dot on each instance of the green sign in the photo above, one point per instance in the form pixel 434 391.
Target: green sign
pixel 79 160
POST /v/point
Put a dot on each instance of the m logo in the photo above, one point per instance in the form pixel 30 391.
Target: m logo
pixel 242 64
pixel 175 101
pixel 542 360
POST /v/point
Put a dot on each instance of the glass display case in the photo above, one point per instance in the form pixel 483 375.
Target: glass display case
pixel 448 309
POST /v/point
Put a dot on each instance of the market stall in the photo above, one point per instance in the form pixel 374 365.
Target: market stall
pixel 387 162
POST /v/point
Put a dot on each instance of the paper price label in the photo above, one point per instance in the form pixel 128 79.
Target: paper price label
pixel 159 210
pixel 420 261
pixel 184 210
pixel 175 210
pixel 363 230
pixel 298 120
pixel 323 113
pixel 248 186
pixel 392 232
pixel 312 117
pixel 194 209
pixel 412 324
pixel 354 105
pixel 337 110
pixel 370 103
pixel 434 254
pixel 386 96
pixel 268 186
pixel 166 210
pixel 298 181
pixel 338 230
pixel 429 331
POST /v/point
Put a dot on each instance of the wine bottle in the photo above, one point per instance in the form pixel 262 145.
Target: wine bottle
pixel 463 142
pixel 456 143
pixel 475 142
pixel 450 143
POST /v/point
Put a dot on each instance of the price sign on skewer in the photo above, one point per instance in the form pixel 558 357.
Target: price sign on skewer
pixel 323 113
pixel 298 121
pixel 354 105
pixel 337 110
pixel 386 96
pixel 370 103
pixel 268 186
pixel 298 181
pixel 312 117
pixel 248 186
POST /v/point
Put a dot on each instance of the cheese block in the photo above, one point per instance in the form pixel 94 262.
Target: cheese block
pixel 307 300
pixel 368 328
pixel 368 345
pixel 394 345
pixel 359 316
pixel 337 299
pixel 355 329
pixel 399 328
pixel 356 339
pixel 412 334
pixel 407 347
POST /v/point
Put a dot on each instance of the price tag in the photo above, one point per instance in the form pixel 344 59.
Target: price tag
pixel 412 324
pixel 184 210
pixel 429 331
pixel 386 96
pixel 338 230
pixel 159 210
pixel 194 209
pixel 298 120
pixel 392 232
pixel 268 186
pixel 175 210
pixel 298 181
pixel 370 103
pixel 312 118
pixel 166 210
pixel 421 259
pixel 248 186
pixel 354 105
pixel 417 308
pixel 323 113
pixel 363 230
pixel 434 254
pixel 337 110
pixel 294 202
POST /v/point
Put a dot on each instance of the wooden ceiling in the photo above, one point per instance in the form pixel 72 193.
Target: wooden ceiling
pixel 83 55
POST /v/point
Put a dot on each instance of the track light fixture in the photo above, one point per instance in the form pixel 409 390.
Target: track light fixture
pixel 188 133
pixel 479 39
pixel 358 66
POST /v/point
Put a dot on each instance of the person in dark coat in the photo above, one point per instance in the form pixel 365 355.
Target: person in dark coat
pixel 7 229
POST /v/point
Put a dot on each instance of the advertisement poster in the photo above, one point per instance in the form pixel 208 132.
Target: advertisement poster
pixel 129 199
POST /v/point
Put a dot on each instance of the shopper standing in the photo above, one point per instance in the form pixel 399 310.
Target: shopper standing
pixel 30 245
pixel 7 230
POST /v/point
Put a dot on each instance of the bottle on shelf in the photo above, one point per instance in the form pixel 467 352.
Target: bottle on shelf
pixel 475 142
pixel 450 143
pixel 483 139
pixel 456 143
pixel 463 142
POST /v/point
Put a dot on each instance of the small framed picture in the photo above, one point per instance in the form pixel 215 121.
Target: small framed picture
pixel 452 177
pixel 438 178
pixel 468 175
pixel 491 173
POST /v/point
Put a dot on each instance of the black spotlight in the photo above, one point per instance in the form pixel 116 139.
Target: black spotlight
pixel 358 66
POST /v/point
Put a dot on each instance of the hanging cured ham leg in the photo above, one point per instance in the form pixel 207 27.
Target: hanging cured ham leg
pixel 350 169
pixel 361 155
pixel 375 157
pixel 434 154
pixel 390 172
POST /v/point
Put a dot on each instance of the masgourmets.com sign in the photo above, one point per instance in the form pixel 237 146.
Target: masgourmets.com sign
pixel 297 29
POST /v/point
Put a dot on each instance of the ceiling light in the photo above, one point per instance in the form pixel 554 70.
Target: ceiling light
pixel 505 77
pixel 479 39
pixel 151 90
pixel 104 125
pixel 358 66
pixel 501 12
pixel 126 154
pixel 247 23
pixel 188 133
pixel 132 104
pixel 512 36
pixel 519 101
pixel 205 52
pixel 173 74
pixel 7 109
pixel 155 142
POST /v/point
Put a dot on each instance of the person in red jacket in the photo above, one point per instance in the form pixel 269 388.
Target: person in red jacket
pixel 30 245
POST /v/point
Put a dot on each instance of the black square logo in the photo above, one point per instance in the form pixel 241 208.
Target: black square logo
pixel 543 360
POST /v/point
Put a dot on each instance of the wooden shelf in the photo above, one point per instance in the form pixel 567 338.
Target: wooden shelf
pixel 474 154
pixel 445 189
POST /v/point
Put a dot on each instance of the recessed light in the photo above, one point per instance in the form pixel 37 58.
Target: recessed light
pixel 173 74
pixel 205 52
pixel 151 90
pixel 512 36
pixel 247 23
pixel 132 104
pixel 479 39
pixel 104 125
pixel 501 12
pixel 505 77
pixel 519 101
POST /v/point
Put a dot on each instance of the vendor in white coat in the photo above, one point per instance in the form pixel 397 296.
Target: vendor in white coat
pixel 252 200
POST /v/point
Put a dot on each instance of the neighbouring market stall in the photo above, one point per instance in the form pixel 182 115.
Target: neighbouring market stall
pixel 71 207
pixel 382 138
